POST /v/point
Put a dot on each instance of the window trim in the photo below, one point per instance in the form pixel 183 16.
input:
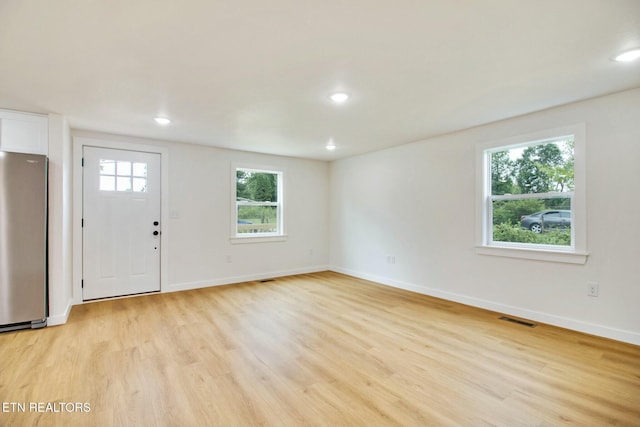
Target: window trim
pixel 258 237
pixel 577 253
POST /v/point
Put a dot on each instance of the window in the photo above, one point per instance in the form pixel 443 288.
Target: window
pixel 258 203
pixel 118 175
pixel 532 197
pixel 531 186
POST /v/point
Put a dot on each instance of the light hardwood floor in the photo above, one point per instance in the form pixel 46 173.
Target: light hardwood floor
pixel 318 349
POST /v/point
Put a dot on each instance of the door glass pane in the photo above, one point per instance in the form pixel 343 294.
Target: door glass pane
pixel 107 167
pixel 124 182
pixel 140 170
pixel 124 168
pixel 107 183
pixel 140 185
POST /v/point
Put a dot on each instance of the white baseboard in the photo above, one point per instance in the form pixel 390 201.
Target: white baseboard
pixel 240 279
pixel 551 319
pixel 60 319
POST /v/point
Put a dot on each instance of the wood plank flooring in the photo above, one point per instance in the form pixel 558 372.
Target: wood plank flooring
pixel 320 349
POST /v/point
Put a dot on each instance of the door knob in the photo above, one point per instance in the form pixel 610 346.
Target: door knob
pixel 155 223
pixel 155 233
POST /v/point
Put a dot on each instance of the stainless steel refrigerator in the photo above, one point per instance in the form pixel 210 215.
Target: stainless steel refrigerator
pixel 23 241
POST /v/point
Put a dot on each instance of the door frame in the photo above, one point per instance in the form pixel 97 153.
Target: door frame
pixel 118 143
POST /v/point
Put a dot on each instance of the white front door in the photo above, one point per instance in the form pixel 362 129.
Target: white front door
pixel 121 222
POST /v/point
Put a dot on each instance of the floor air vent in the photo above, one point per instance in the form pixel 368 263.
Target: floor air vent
pixel 519 322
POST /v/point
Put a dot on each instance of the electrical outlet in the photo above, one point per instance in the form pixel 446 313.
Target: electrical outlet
pixel 592 289
pixel 391 259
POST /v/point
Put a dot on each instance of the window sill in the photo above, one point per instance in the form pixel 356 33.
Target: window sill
pixel 534 254
pixel 258 239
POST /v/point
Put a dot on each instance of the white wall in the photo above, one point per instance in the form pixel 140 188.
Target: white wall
pixel 200 190
pixel 417 203
pixel 197 236
pixel 60 203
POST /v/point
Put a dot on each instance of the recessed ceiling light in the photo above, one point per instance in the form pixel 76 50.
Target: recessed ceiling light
pixel 162 120
pixel 339 97
pixel 628 56
pixel 331 145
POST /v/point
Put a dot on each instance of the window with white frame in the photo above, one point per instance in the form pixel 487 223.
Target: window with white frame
pixel 531 195
pixel 258 210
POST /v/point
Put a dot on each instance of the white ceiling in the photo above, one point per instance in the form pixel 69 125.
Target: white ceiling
pixel 256 74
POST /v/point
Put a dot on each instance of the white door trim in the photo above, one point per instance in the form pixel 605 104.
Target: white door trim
pixel 105 142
